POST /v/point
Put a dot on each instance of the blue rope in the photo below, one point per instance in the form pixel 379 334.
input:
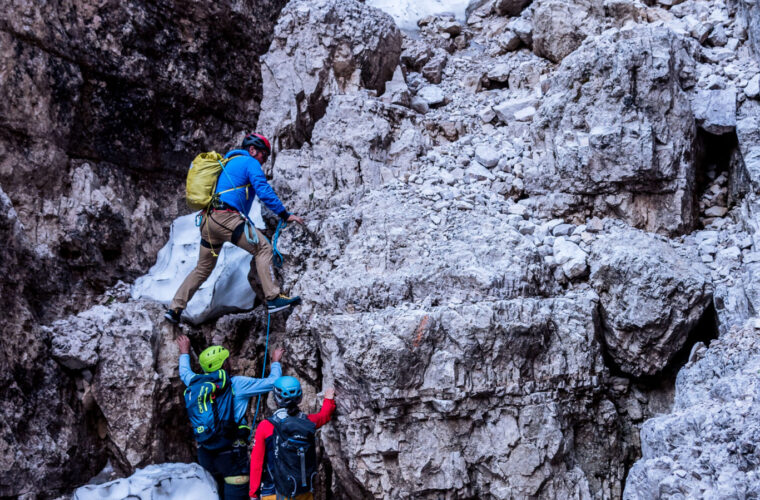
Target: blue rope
pixel 276 255
pixel 263 374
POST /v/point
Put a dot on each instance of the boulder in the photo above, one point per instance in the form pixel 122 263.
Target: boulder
pixel 560 26
pixel 616 128
pixel 397 91
pixel 570 256
pixel 715 110
pixel 650 297
pixel 487 156
pixel 433 69
pixel 321 49
pixel 508 110
pixel 432 95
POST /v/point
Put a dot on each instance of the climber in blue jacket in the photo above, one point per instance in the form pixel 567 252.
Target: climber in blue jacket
pixel 227 220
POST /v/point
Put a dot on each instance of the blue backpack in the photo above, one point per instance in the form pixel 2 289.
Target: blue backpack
pixel 209 403
pixel 291 456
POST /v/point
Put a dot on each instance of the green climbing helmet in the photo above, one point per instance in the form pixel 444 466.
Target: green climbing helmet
pixel 212 358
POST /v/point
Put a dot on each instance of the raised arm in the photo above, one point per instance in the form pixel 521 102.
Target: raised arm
pixel 263 431
pixel 328 407
pixel 186 373
pixel 249 386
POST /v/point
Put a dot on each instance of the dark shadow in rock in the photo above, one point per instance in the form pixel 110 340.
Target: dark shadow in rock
pixel 656 393
pixel 719 162
pixel 704 331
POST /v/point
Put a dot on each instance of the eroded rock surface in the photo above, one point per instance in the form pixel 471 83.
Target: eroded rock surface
pixel 651 298
pixel 707 447
pixel 473 286
pixel 104 105
pixel 320 50
pixel 616 128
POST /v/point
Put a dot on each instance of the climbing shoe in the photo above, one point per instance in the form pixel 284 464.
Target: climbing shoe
pixel 172 316
pixel 282 302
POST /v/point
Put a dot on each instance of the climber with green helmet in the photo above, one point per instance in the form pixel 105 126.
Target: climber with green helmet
pixel 216 406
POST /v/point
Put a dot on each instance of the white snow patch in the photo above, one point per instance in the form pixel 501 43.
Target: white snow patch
pixel 406 13
pixel 155 482
pixel 226 290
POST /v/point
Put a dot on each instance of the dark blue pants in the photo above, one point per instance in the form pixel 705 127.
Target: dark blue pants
pixel 227 466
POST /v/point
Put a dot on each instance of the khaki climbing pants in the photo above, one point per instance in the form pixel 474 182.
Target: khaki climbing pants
pixel 218 227
pixel 302 496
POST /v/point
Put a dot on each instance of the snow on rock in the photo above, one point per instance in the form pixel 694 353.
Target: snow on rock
pixel 226 290
pixel 406 13
pixel 155 482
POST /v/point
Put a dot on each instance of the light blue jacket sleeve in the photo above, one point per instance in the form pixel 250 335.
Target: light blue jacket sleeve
pixel 245 387
pixel 185 372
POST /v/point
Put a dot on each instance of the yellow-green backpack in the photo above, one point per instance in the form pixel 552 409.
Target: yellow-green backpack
pixel 202 177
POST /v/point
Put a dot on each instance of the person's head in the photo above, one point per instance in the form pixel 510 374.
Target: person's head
pixel 287 393
pixel 213 358
pixel 257 146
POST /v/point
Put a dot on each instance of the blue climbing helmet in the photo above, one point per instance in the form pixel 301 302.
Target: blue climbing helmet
pixel 287 392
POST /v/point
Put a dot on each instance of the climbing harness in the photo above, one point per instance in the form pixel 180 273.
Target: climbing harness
pixel 250 234
pixel 263 374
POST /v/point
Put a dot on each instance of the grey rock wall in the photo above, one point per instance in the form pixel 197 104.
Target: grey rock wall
pixel 104 104
pixel 510 248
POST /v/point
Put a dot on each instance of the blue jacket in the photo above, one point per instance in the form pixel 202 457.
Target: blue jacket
pixel 241 170
pixel 243 388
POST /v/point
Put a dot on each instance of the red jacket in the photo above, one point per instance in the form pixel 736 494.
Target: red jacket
pixel 265 429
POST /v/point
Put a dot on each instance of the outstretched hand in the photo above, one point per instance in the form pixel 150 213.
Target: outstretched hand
pixel 184 344
pixel 330 393
pixel 277 354
pixel 295 218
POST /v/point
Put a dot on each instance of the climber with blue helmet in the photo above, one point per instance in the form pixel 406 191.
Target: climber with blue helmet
pixel 242 179
pixel 216 405
pixel 284 459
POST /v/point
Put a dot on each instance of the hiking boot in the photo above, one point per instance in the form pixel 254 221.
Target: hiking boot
pixel 173 315
pixel 282 302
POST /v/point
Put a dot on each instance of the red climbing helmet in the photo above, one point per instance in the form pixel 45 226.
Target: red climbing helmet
pixel 258 141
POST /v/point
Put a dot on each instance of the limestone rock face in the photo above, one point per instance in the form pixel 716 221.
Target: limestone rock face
pixel 104 108
pixel 446 365
pixel 706 447
pixel 358 145
pixel 650 299
pixel 616 129
pixel 474 283
pixel 134 383
pixel 104 105
pixel 320 50
pixel 750 14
